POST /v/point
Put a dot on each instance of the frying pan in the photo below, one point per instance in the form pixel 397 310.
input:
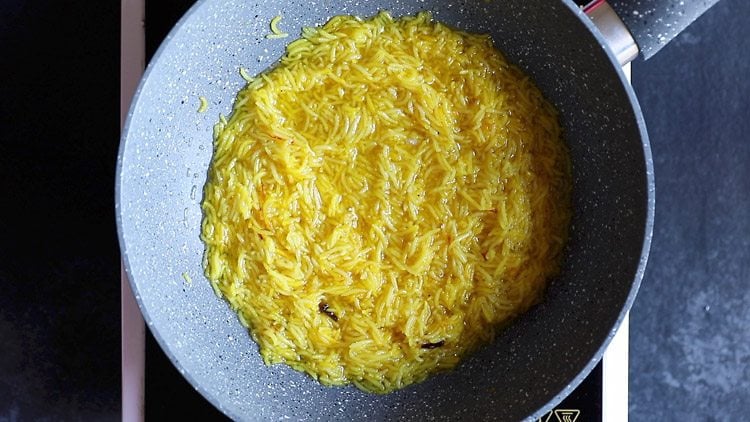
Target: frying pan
pixel 166 148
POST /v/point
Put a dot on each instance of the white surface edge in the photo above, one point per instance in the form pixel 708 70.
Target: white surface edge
pixel 615 376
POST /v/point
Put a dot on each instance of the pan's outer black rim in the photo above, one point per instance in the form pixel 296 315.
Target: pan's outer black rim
pixel 647 235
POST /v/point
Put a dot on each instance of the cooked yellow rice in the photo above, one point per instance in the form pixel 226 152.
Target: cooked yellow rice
pixel 384 200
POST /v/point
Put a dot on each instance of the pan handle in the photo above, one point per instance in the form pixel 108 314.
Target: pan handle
pixel 618 37
pixel 654 23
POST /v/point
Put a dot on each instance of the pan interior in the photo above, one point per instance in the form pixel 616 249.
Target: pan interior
pixel 165 153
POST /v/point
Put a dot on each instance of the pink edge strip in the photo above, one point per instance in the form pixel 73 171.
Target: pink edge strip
pixel 133 356
pixel 132 63
pixel 591 6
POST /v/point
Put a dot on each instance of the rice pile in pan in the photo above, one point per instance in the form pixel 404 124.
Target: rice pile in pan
pixel 384 200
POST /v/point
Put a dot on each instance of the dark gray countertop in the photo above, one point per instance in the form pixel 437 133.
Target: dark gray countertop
pixel 59 262
pixel 690 326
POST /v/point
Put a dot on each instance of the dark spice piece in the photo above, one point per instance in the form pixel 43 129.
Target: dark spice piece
pixel 323 307
pixel 433 345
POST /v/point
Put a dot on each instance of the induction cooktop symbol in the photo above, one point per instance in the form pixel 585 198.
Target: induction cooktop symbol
pixel 562 415
pixel 567 415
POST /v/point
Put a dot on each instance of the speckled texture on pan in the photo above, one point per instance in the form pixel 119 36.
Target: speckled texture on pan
pixel 654 23
pixel 164 156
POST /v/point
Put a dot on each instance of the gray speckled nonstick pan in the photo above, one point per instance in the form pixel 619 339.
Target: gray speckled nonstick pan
pixel 166 149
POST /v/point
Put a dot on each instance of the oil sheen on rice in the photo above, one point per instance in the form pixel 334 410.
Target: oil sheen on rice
pixel 385 200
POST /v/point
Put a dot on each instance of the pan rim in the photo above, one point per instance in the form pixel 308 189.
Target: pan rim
pixel 215 401
pixel 648 226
